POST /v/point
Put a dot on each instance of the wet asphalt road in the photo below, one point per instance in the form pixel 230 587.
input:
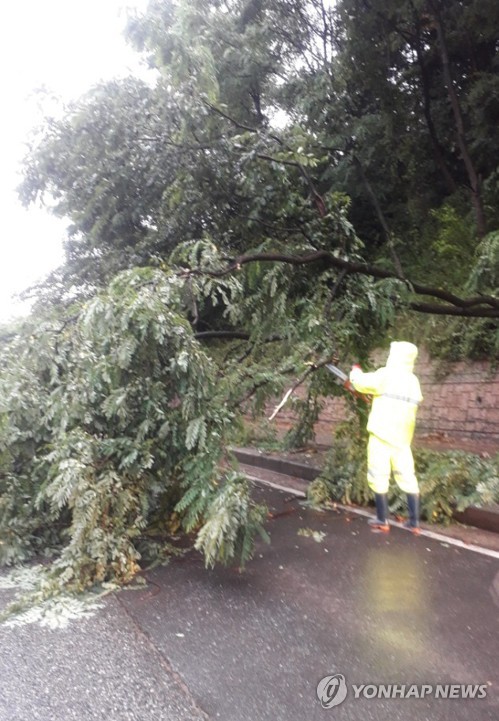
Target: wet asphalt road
pixel 225 645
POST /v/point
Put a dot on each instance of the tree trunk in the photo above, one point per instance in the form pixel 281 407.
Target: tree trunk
pixel 473 177
pixel 437 148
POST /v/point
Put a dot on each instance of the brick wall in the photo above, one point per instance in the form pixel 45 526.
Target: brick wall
pixel 462 404
pixel 460 409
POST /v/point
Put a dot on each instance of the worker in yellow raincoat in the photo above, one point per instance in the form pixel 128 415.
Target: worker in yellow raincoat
pixel 396 395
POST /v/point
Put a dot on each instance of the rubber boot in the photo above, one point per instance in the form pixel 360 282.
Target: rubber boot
pixel 380 523
pixel 413 506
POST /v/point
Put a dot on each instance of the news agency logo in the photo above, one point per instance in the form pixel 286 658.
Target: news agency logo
pixel 332 691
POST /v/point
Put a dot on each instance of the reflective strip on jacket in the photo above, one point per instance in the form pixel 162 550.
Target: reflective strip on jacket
pixel 396 396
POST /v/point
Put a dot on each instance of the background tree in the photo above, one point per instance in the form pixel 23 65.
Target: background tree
pixel 362 108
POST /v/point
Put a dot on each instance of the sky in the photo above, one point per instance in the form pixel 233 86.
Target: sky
pixel 65 46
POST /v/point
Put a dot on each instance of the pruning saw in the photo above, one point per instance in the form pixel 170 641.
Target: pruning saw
pixel 337 372
pixel 345 382
pixel 340 375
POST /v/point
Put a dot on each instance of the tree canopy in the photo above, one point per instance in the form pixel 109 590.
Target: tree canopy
pixel 297 180
pixel 268 120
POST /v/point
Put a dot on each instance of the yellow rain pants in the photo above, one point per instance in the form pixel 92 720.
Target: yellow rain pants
pixel 382 459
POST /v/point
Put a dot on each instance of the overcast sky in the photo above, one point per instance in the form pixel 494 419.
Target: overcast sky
pixel 65 46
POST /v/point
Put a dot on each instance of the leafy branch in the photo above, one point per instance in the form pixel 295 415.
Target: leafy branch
pixel 481 306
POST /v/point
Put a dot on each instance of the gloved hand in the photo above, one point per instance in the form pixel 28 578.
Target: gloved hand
pixel 351 376
pixel 348 384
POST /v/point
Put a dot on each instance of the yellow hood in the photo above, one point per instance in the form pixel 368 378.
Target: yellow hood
pixel 402 355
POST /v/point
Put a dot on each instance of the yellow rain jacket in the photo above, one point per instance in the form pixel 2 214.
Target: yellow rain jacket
pixel 396 395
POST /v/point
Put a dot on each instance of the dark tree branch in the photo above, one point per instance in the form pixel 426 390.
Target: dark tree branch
pixel 226 334
pixel 425 89
pixel 230 334
pixel 462 312
pixel 476 307
pixel 339 280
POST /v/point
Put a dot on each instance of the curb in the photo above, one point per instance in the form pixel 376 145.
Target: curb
pixel 486 519
pixel 277 465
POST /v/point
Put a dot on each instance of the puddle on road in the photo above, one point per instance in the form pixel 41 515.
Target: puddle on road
pixel 394 589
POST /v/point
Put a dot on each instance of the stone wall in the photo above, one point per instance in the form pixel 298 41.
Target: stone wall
pixel 460 407
pixel 462 404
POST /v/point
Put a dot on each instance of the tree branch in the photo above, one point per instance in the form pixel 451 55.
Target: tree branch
pixel 314 367
pixel 477 307
pixel 462 312
pixel 230 334
pixel 319 202
pixel 425 90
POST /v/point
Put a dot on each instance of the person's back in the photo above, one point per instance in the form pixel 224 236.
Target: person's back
pixel 393 416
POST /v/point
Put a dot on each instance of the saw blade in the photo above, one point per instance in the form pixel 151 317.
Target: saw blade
pixel 337 372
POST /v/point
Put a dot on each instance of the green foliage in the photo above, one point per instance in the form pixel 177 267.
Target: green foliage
pixel 344 473
pixel 461 339
pixel 27 379
pixel 319 492
pixel 484 277
pixel 231 524
pixel 302 430
pixel 450 237
pixel 103 417
pixel 449 481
